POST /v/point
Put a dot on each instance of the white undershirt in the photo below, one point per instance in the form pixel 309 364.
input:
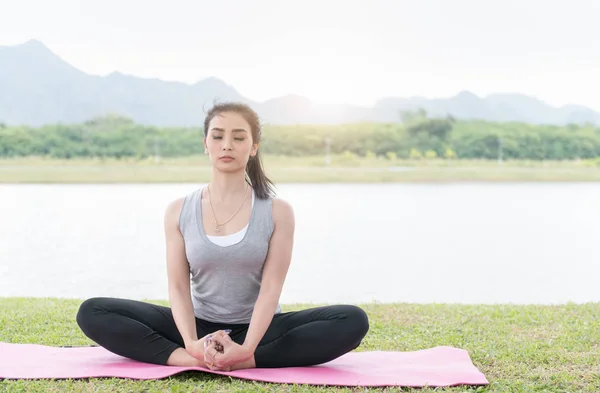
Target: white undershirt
pixel 234 238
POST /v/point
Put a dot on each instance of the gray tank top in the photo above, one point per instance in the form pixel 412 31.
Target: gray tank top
pixel 225 280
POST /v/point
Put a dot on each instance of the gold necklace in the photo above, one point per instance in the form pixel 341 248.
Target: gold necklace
pixel 217 225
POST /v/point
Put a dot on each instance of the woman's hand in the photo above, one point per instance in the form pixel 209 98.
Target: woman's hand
pixel 198 348
pixel 233 354
pixel 210 354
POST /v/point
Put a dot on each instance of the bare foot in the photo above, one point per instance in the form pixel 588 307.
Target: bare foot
pixel 250 363
pixel 181 358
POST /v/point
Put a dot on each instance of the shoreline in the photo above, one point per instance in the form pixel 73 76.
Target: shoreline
pixel 36 170
pixel 372 303
pixel 116 175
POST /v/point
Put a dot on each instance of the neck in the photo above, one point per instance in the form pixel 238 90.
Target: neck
pixel 225 187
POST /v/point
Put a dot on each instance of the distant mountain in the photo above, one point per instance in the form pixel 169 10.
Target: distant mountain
pixel 494 107
pixel 38 87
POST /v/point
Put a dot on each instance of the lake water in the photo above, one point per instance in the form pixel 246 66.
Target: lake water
pixel 457 243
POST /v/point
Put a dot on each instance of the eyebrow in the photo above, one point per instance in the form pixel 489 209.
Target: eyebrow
pixel 234 130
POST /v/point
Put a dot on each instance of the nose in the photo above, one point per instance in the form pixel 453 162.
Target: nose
pixel 226 143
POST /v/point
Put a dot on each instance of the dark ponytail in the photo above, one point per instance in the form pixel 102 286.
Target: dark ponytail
pixel 262 185
pixel 255 174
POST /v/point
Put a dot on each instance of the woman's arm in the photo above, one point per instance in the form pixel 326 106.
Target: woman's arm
pixel 274 274
pixel 179 275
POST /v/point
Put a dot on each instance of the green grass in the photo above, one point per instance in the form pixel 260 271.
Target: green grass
pixel 294 169
pixel 518 348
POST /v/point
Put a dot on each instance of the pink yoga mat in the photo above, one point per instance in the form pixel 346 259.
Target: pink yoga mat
pixel 439 366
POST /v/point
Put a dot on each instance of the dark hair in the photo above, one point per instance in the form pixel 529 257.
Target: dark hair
pixel 255 173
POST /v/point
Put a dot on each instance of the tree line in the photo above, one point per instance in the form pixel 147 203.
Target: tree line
pixel 415 136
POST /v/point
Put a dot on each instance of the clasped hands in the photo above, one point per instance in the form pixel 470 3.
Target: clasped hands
pixel 219 352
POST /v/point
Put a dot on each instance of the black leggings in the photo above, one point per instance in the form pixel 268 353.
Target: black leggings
pixel 148 333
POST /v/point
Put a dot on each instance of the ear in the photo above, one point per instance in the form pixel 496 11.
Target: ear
pixel 254 150
pixel 205 147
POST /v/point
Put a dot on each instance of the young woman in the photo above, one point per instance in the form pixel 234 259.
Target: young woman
pixel 229 246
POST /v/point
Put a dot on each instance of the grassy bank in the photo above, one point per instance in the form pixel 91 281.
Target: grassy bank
pixel 518 348
pixel 294 169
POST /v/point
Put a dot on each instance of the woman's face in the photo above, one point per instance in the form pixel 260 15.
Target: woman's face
pixel 228 142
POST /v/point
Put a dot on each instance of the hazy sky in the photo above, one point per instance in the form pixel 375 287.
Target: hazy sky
pixel 330 50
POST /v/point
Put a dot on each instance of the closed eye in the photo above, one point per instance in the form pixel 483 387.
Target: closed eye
pixel 220 137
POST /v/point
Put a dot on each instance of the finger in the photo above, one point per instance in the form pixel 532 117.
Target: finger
pixel 216 368
pixel 227 338
pixel 224 341
pixel 209 353
pixel 221 345
pixel 221 361
pixel 218 333
pixel 221 333
pixel 216 343
pixel 208 336
pixel 210 359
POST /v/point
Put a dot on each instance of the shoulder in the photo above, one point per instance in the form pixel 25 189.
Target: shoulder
pixel 173 210
pixel 283 213
pixel 175 205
